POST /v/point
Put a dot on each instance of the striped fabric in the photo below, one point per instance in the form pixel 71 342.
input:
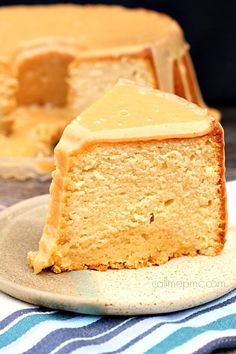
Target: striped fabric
pixel 32 330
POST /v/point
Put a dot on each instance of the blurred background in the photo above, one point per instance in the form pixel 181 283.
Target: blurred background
pixel 209 27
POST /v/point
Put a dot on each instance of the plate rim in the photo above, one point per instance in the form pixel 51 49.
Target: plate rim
pixel 78 303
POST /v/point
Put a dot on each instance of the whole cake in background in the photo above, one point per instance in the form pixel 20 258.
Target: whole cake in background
pixel 139 180
pixel 57 59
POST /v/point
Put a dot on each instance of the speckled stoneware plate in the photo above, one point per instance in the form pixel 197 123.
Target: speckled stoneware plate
pixel 181 283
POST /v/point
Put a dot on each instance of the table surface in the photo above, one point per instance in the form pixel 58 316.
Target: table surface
pixel 12 191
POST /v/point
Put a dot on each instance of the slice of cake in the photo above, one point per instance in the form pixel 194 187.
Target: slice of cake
pixel 139 179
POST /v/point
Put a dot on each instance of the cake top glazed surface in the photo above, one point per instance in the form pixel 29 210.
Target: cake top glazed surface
pixel 133 112
pixel 83 26
pixel 129 105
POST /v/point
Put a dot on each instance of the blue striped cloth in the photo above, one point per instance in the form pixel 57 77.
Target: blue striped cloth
pixel 28 329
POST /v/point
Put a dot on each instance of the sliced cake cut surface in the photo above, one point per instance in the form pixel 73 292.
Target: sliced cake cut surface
pixel 139 180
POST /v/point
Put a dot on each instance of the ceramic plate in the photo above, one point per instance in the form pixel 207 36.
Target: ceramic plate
pixel 179 284
pixel 22 168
